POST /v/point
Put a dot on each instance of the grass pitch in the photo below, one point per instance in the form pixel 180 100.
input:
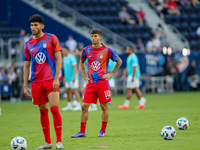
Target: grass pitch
pixel 127 129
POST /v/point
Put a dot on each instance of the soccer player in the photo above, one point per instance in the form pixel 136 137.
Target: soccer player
pixel 111 81
pixel 44 51
pixel 71 79
pixel 98 56
pixel 133 70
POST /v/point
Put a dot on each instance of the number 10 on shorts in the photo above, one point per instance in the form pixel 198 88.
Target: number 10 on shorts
pixel 107 93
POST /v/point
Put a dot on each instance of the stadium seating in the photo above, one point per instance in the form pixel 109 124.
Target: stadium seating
pixel 106 13
pixel 187 23
pixel 8 31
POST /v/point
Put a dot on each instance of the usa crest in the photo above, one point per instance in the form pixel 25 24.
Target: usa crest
pixel 101 56
pixel 45 45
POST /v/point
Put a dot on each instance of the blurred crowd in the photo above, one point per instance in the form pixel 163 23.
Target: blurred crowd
pixel 171 6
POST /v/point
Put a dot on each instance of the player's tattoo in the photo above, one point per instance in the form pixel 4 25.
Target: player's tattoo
pixel 117 66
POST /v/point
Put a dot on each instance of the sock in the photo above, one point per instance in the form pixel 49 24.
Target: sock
pixel 94 105
pixel 142 101
pixel 69 104
pixel 83 126
pixel 57 120
pixel 44 119
pixel 104 125
pixel 78 104
pixel 126 103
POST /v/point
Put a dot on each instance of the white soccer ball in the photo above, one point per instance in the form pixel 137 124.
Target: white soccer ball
pixel 182 123
pixel 168 133
pixel 162 130
pixel 19 143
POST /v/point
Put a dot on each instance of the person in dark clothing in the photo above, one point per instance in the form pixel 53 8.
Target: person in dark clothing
pixel 192 76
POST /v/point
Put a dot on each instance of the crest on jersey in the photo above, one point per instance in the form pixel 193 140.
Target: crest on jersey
pixel 101 56
pixel 40 58
pixel 95 65
pixel 45 45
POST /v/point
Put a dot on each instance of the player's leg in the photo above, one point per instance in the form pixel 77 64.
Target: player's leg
pixel 112 85
pixel 77 95
pixel 89 97
pixel 69 96
pixel 105 114
pixel 103 93
pixel 129 87
pixel 84 118
pixel 141 100
pixel 54 98
pixel 128 98
pixel 39 98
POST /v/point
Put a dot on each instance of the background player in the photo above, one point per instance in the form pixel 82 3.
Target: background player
pixel 111 81
pixel 97 86
pixel 44 50
pixel 133 70
pixel 71 79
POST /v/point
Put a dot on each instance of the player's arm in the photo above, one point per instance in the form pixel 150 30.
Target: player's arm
pixel 82 66
pixel 134 71
pixel 58 69
pixel 75 70
pixel 26 75
pixel 124 74
pixel 116 68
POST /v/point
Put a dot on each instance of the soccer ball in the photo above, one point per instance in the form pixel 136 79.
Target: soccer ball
pixel 18 143
pixel 162 130
pixel 168 133
pixel 182 123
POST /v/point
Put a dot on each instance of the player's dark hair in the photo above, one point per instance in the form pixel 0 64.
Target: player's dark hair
pixel 36 18
pixel 67 48
pixel 96 31
pixel 131 48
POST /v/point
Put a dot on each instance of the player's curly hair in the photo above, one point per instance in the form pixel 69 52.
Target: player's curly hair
pixel 96 31
pixel 36 18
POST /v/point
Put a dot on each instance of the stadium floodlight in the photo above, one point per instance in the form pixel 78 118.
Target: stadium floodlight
pixel 165 50
pixel 185 52
pixel 169 51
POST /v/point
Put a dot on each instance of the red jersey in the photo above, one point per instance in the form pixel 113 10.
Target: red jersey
pixel 41 53
pixel 98 59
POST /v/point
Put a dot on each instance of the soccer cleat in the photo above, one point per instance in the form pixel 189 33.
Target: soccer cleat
pixel 101 134
pixel 67 108
pixel 79 134
pixel 45 146
pixel 140 107
pixel 123 107
pixel 59 145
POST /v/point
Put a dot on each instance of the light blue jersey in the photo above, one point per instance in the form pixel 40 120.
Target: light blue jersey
pixel 132 61
pixel 68 63
pixel 111 66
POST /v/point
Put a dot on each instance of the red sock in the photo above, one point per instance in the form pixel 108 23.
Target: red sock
pixel 44 119
pixel 83 126
pixel 104 125
pixel 57 120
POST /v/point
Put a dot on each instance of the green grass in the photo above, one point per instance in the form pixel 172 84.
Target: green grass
pixel 127 129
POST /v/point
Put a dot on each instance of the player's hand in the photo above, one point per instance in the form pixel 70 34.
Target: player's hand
pixel 107 76
pixel 73 80
pixel 86 79
pixel 27 92
pixel 132 79
pixel 55 84
pixel 123 77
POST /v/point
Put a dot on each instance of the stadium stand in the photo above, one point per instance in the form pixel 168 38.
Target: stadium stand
pixel 187 22
pixel 106 13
